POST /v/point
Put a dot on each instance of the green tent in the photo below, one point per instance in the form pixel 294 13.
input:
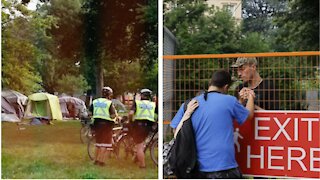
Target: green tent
pixel 43 105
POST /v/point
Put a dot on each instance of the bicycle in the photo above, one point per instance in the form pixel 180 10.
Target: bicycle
pixel 86 130
pixel 123 144
pixel 151 142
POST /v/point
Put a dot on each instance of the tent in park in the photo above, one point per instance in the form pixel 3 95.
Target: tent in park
pixel 17 100
pixel 43 105
pixel 72 107
pixel 8 113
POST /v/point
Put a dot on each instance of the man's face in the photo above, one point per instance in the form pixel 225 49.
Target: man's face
pixel 246 72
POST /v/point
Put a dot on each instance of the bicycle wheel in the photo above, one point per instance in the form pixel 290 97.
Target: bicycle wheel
pixel 154 151
pixel 85 134
pixel 91 148
pixel 123 149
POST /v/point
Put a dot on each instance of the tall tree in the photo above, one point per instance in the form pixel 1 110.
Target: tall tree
pixel 21 28
pixel 298 28
pixel 112 34
pixel 149 58
pixel 258 15
pixel 64 48
pixel 253 42
pixel 258 18
pixel 68 31
pixel 201 29
pixel 116 32
pixel 123 76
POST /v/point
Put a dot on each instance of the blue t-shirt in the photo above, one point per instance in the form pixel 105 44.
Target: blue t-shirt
pixel 213 126
pixel 175 121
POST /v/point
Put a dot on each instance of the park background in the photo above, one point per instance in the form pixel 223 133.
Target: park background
pixel 73 48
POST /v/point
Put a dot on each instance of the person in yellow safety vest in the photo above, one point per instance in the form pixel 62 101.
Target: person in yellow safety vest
pixel 103 113
pixel 143 116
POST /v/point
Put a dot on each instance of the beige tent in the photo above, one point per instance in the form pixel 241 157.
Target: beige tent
pixel 16 100
pixel 72 106
pixel 8 113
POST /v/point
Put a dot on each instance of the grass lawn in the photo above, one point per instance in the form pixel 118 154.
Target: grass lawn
pixel 55 151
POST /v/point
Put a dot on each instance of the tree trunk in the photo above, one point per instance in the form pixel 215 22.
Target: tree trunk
pixel 99 84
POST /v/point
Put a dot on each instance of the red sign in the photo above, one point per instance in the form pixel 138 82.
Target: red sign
pixel 279 144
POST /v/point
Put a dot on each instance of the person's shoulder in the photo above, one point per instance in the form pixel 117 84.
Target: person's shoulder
pixel 199 97
pixel 267 83
pixel 230 97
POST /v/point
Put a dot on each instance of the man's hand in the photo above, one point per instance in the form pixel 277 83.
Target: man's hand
pixel 117 119
pixel 193 104
pixel 244 93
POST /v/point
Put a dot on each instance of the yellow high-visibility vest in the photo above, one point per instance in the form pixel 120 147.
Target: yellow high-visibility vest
pixel 101 108
pixel 145 110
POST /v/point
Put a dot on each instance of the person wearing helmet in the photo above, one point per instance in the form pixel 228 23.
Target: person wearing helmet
pixel 103 113
pixel 142 114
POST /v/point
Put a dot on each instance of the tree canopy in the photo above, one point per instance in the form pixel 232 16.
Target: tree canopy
pixel 298 27
pixel 69 46
pixel 267 25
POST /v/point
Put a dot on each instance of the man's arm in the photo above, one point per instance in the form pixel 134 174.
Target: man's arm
pixel 132 111
pixel 239 93
pixel 192 106
pixel 177 118
pixel 90 110
pixel 113 112
pixel 250 104
pixel 244 95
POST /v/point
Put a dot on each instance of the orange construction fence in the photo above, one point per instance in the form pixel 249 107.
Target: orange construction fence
pixel 296 76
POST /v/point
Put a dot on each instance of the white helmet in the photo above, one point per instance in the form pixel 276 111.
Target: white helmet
pixel 146 91
pixel 106 91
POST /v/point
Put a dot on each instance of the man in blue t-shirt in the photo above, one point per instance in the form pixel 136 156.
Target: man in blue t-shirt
pixel 212 122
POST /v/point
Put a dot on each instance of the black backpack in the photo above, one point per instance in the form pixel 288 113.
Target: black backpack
pixel 180 155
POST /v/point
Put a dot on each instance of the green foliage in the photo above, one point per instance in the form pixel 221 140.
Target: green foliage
pixel 148 14
pixel 151 79
pixel 299 34
pixel 268 25
pixel 200 29
pixel 253 43
pixel 276 21
pixel 19 77
pixel 116 31
pixel 113 27
pixel 18 49
pixel 60 44
pixel 72 85
pixel 68 30
pixel 149 58
pixel 63 39
pixel 258 15
pixel 123 77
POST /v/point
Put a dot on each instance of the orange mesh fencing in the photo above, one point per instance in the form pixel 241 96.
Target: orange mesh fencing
pixel 295 76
